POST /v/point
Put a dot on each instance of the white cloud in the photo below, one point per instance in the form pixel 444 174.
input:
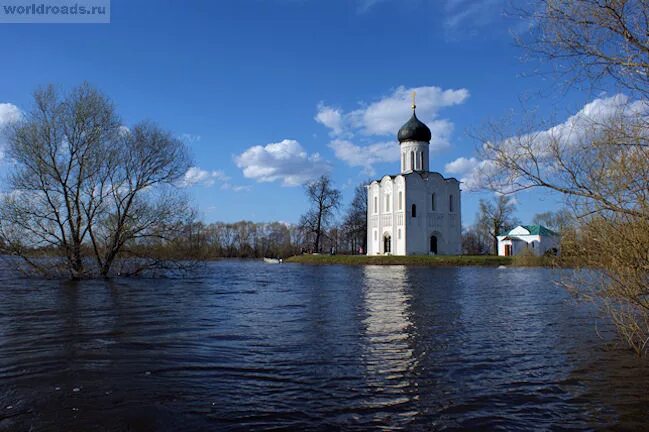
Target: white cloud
pixel 330 117
pixel 197 176
pixel 9 113
pixel 475 179
pixel 388 114
pixel 285 161
pixel 383 118
pixel 441 131
pixel 591 118
pixel 365 156
pixel 461 165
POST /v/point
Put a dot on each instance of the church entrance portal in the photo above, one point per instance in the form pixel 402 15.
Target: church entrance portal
pixel 433 244
pixel 387 244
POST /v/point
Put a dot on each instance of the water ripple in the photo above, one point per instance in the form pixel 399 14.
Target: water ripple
pixel 247 346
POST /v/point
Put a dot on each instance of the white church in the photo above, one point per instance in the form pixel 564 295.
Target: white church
pixel 416 212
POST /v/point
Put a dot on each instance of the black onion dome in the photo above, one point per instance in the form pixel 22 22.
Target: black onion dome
pixel 414 130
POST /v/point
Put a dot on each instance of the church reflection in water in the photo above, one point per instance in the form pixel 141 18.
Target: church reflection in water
pixel 389 356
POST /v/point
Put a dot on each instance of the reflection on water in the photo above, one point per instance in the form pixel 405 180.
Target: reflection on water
pixel 248 346
pixel 389 357
pixel 387 324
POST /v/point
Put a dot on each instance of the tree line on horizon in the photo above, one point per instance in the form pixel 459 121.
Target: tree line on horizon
pixel 247 239
pixel 345 232
pixel 321 229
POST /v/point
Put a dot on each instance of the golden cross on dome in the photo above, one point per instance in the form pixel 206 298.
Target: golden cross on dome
pixel 414 94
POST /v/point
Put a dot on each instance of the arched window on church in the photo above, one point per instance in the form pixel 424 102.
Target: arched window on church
pixel 400 200
pixel 432 202
pixel 387 203
pixel 450 204
pixel 414 210
pixel 422 162
pixel 403 161
pixel 376 205
pixel 412 161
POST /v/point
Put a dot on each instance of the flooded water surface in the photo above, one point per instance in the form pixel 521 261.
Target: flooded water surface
pixel 250 346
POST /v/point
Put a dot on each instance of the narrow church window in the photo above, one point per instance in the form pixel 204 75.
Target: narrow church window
pixel 450 203
pixel 387 203
pixel 403 161
pixel 433 202
pixel 412 161
pixel 400 200
pixel 399 234
pixel 414 210
pixel 376 204
pixel 422 161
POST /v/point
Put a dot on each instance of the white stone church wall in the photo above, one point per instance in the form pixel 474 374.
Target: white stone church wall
pixel 441 222
pixel 386 219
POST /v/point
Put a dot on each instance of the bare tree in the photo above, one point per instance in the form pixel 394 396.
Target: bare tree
pixel 355 223
pixel 495 217
pixel 324 200
pixel 591 41
pixel 246 239
pixel 599 163
pixel 475 241
pixel 83 185
pixel 559 221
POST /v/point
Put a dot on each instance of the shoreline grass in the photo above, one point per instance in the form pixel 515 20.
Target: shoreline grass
pixel 421 260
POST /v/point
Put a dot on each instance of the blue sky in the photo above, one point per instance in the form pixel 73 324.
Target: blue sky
pixel 269 93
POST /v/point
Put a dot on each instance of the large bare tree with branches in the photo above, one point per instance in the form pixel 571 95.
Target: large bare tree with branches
pixel 84 187
pixel 324 200
pixel 496 217
pixel 599 159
